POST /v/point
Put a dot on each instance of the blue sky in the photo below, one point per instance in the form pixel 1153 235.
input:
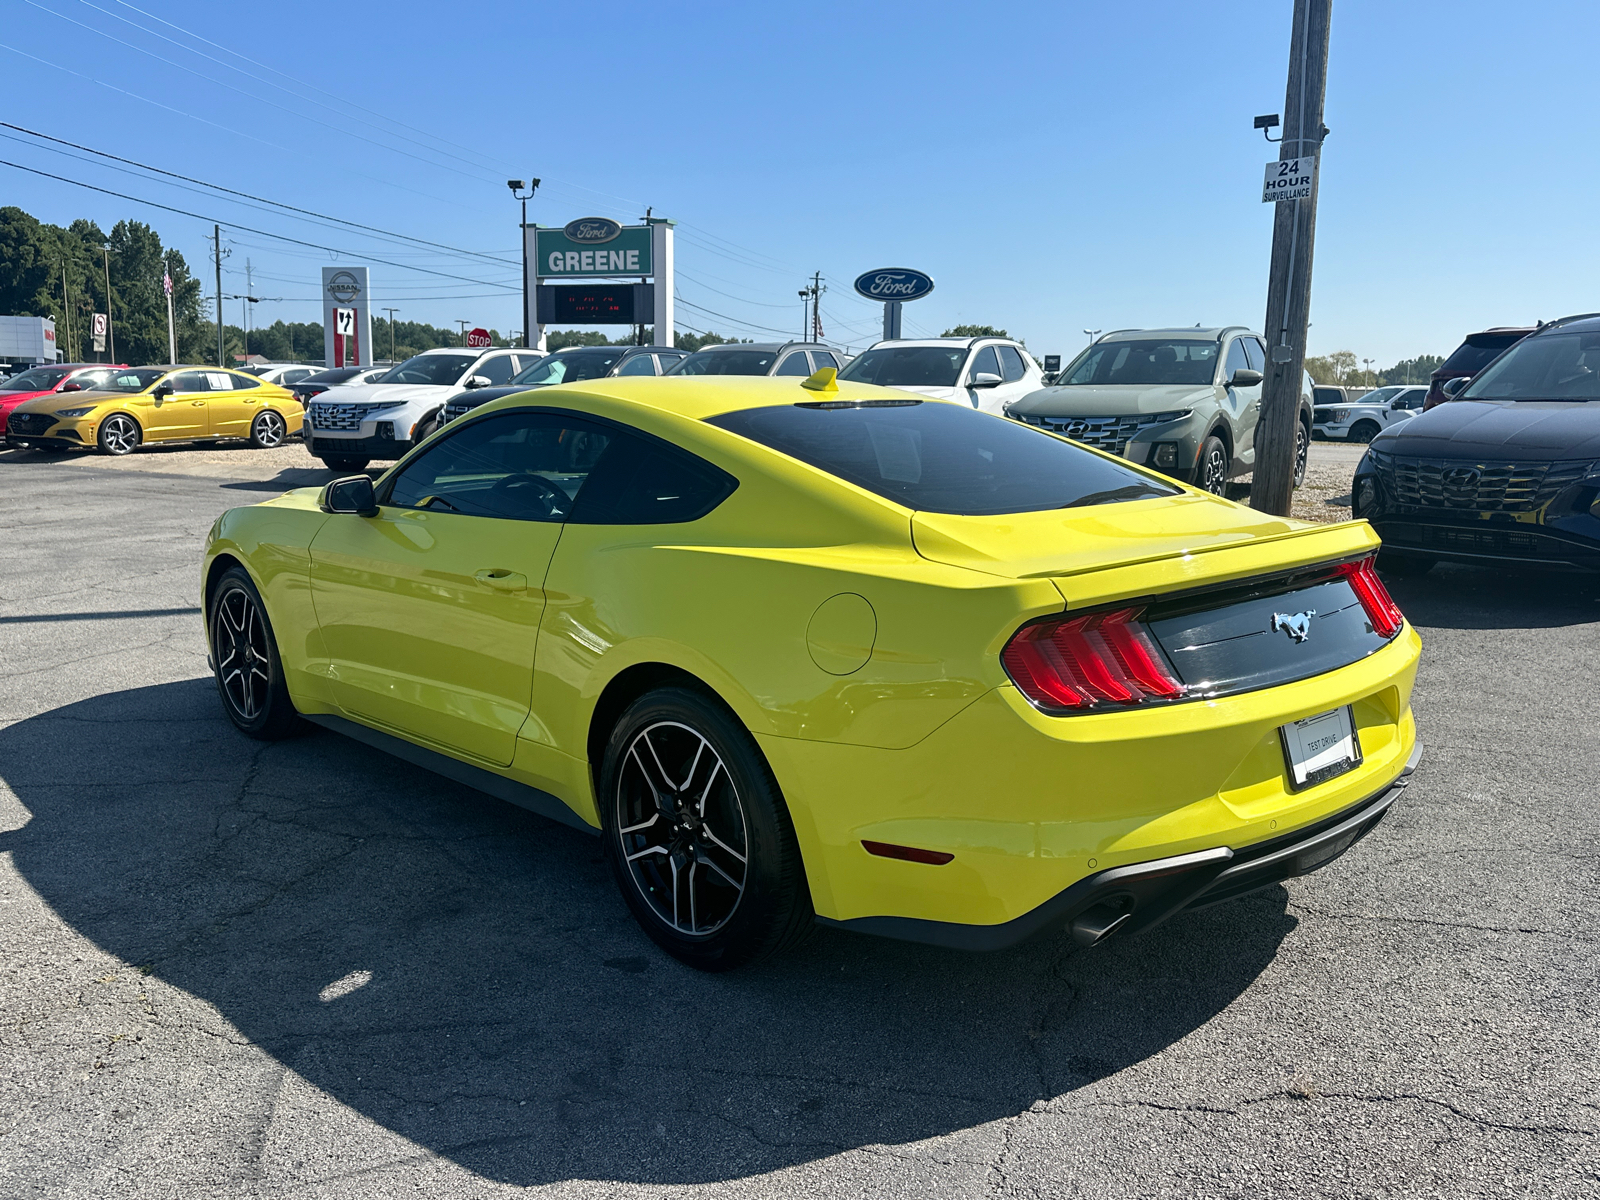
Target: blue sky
pixel 1055 166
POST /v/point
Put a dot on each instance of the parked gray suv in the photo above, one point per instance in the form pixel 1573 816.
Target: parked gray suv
pixel 1184 401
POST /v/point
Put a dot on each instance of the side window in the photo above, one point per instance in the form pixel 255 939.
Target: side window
pixel 640 481
pixel 639 364
pixel 295 376
pixel 498 369
pixel 1255 353
pixel 242 383
pixel 89 380
pixel 821 359
pixel 1236 360
pixel 201 381
pixel 1011 364
pixel 795 364
pixel 520 466
pixel 985 361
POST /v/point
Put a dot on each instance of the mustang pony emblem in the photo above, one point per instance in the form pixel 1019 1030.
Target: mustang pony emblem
pixel 1297 626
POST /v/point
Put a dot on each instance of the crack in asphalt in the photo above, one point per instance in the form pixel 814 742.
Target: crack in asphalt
pixel 1381 918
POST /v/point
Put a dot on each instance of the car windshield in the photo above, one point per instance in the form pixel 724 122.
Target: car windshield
pixel 40 379
pixel 726 362
pixel 568 368
pixel 437 369
pixel 1145 361
pixel 1551 366
pixel 942 458
pixel 1381 396
pixel 908 366
pixel 135 379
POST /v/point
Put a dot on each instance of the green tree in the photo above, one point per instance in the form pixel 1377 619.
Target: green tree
pixel 975 331
pixel 1412 370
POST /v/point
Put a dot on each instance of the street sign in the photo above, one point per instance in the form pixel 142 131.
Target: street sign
pixel 479 339
pixel 626 251
pixel 1052 362
pixel 97 329
pixel 344 321
pixel 1290 179
pixel 892 284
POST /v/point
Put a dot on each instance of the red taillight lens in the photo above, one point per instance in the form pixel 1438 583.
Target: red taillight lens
pixel 1381 609
pixel 1085 662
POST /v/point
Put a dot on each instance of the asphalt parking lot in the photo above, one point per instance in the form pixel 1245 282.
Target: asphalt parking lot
pixel 306 969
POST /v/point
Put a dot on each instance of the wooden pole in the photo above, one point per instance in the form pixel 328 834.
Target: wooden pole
pixel 1289 287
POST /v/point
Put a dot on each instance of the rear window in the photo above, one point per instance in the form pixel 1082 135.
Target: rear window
pixel 1478 351
pixel 726 362
pixel 941 457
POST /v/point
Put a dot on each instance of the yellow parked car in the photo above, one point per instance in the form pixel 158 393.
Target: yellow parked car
pixel 158 404
pixel 809 651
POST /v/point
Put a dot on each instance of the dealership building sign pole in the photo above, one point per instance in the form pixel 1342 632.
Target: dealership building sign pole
pixel 630 269
pixel 346 317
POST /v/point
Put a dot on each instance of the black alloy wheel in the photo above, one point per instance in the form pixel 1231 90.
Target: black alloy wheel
pixel 1212 473
pixel 119 434
pixel 1302 453
pixel 244 657
pixel 1364 431
pixel 346 466
pixel 268 431
pixel 698 834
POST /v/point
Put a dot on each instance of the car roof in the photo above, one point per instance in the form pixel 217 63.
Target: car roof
pixel 718 347
pixel 945 341
pixel 1204 333
pixel 701 397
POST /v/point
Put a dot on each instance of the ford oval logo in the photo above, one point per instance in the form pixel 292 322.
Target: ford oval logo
pixel 591 230
pixel 894 283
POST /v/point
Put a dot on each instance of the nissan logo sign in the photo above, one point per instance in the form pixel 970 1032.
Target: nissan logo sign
pixel 591 230
pixel 343 287
pixel 894 283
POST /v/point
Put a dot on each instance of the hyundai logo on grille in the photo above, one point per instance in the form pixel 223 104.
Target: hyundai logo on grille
pixel 1296 625
pixel 1462 477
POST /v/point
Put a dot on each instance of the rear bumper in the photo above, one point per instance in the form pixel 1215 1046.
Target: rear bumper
pixel 1139 896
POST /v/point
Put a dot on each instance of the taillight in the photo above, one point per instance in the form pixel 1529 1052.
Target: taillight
pixel 1380 607
pixel 1103 659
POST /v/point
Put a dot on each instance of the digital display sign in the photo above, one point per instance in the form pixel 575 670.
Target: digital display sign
pixel 600 304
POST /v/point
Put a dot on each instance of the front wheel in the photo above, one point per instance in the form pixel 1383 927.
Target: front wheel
pixel 698 834
pixel 1302 453
pixel 1364 431
pixel 1212 473
pixel 268 431
pixel 346 466
pixel 119 434
pixel 244 659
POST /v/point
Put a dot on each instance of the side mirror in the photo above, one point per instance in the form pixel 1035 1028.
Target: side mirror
pixel 1245 377
pixel 162 391
pixel 72 387
pixel 478 381
pixel 985 379
pixel 1454 387
pixel 352 494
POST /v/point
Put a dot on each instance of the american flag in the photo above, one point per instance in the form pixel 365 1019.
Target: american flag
pixel 166 282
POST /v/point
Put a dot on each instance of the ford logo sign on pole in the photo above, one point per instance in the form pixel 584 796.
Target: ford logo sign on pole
pixel 592 230
pixel 893 286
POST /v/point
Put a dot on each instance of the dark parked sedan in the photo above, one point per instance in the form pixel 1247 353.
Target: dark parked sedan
pixel 1508 473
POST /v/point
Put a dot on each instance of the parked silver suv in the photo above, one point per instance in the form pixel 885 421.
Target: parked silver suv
pixel 1184 401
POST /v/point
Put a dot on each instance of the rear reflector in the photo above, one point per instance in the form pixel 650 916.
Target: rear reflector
pixel 936 858
pixel 1105 658
pixel 1381 609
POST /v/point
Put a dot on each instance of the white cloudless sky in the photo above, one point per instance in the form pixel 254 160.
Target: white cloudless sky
pixel 1054 166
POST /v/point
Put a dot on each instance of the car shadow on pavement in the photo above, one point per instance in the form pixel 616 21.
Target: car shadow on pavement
pixel 289 477
pixel 464 973
pixel 1456 596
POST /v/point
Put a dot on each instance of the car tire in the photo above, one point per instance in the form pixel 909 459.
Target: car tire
pixel 245 662
pixel 693 819
pixel 346 466
pixel 119 434
pixel 1211 471
pixel 269 430
pixel 1364 431
pixel 424 427
pixel 1302 453
pixel 1405 565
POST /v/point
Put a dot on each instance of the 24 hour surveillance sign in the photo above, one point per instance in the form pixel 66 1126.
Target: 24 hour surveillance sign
pixel 1290 179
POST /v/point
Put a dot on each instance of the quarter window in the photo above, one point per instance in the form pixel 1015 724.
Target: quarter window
pixel 522 466
pixel 1236 360
pixel 821 358
pixel 1255 353
pixel 640 481
pixel 795 364
pixel 242 383
pixel 984 362
pixel 1011 363
pixel 497 370
pixel 639 364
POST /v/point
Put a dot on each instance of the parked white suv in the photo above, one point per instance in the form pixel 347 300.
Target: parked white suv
pixel 350 425
pixel 1364 419
pixel 986 372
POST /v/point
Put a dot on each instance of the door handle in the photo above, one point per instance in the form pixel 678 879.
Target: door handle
pixel 502 580
pixel 198 403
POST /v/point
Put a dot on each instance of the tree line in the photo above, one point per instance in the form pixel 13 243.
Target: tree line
pixel 1340 369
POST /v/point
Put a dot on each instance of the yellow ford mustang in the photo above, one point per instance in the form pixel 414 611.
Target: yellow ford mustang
pixel 158 404
pixel 809 651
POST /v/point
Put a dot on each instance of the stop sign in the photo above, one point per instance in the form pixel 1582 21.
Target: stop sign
pixel 479 338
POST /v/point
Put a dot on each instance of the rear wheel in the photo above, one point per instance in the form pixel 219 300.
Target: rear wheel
pixel 1302 453
pixel 244 657
pixel 119 434
pixel 698 834
pixel 346 465
pixel 268 430
pixel 1364 431
pixel 1211 475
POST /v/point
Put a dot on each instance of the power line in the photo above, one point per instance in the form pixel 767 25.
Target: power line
pixel 259 232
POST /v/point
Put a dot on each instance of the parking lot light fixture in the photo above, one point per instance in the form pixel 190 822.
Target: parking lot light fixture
pixel 518 187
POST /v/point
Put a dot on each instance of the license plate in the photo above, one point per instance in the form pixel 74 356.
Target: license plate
pixel 1320 748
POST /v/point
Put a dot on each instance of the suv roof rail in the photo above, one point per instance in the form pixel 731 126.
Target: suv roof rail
pixel 1543 325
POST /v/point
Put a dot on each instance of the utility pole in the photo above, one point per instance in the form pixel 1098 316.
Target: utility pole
pixel 216 245
pixel 111 325
pixel 463 325
pixel 244 306
pixel 813 294
pixel 66 311
pixel 1294 228
pixel 391 312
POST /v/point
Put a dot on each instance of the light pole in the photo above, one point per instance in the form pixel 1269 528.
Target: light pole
pixel 111 332
pixel 1092 334
pixel 391 312
pixel 1369 362
pixel 463 325
pixel 517 186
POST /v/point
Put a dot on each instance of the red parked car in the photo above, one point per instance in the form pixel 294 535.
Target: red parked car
pixel 1472 356
pixel 42 381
